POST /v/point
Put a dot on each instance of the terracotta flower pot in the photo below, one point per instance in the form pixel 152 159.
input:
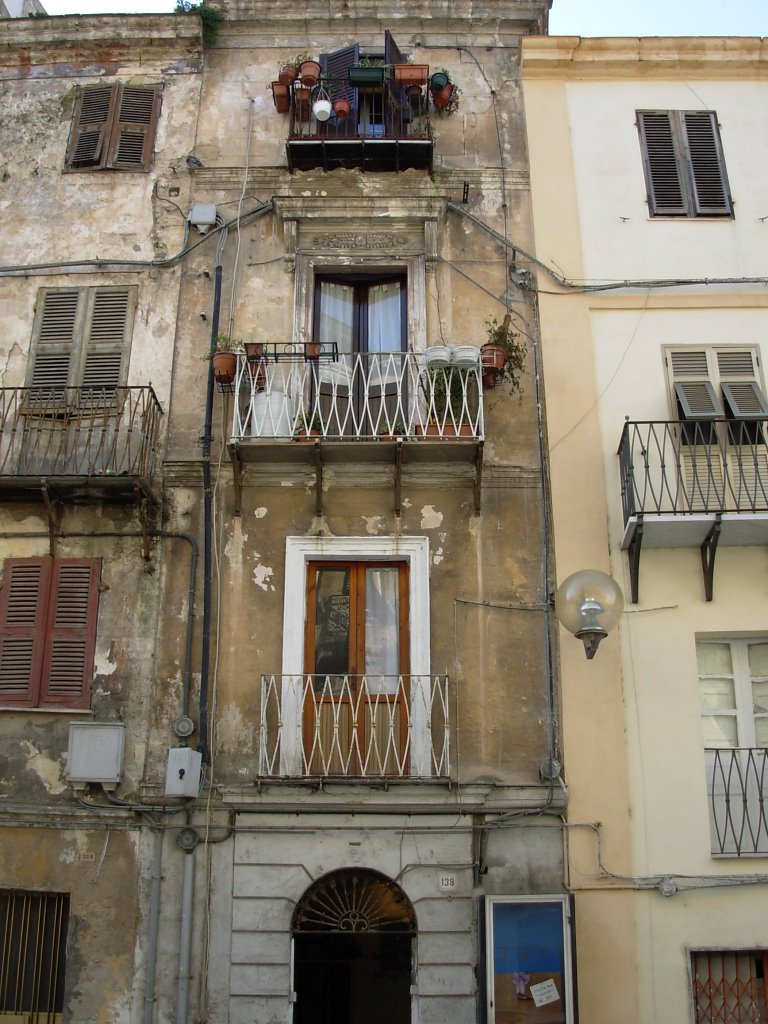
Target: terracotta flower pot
pixel 281 97
pixel 288 74
pixel 492 357
pixel 341 108
pixel 442 96
pixel 309 72
pixel 312 349
pixel 224 367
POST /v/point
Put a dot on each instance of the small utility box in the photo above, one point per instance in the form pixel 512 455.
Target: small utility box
pixel 183 775
pixel 96 752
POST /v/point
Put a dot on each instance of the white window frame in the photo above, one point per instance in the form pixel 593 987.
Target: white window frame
pixel 742 686
pixel 563 902
pixel 299 551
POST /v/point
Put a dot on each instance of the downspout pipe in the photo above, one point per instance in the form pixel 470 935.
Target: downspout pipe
pixel 185 937
pixel 207 440
pixel 154 919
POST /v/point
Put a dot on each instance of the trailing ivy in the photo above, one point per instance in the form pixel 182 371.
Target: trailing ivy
pixel 209 16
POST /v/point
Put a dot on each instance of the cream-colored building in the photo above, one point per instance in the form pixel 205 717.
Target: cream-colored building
pixel 650 201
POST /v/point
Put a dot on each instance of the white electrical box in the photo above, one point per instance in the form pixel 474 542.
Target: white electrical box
pixel 183 775
pixel 202 216
pixel 96 751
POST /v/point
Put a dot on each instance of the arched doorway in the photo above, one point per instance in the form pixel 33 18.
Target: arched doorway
pixel 353 933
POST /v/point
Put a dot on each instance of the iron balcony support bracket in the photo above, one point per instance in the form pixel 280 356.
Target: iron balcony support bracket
pixel 478 475
pixel 237 477
pixel 708 551
pixel 318 480
pixel 634 560
pixel 398 476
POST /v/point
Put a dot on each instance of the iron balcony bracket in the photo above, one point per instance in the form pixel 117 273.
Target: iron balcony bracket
pixel 634 560
pixel 708 551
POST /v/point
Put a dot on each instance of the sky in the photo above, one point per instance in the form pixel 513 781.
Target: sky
pixel 568 17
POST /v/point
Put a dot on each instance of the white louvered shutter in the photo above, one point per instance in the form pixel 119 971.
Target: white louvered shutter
pixel 695 395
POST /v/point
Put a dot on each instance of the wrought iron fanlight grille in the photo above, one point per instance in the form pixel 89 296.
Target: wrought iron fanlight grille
pixel 354 900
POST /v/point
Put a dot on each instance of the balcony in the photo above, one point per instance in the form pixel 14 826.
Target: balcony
pixel 385 130
pixel 397 411
pixel 354 727
pixel 737 785
pixel 693 483
pixel 81 444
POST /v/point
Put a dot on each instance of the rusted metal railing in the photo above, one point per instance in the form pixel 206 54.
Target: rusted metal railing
pixel 349 726
pixel 78 432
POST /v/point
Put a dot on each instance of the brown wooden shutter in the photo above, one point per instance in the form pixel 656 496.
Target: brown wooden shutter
pixel 663 177
pixel 133 134
pixel 23 614
pixel 107 330
pixel 91 121
pixel 709 184
pixel 71 635
pixel 56 332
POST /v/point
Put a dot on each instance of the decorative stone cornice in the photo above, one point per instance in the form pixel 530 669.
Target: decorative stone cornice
pixel 702 56
pixel 112 40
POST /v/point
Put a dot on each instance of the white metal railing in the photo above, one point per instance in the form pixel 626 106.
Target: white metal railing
pixel 354 726
pixel 363 396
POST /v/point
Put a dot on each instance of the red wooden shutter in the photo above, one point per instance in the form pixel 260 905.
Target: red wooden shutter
pixel 710 188
pixel 71 635
pixel 91 120
pixel 23 613
pixel 133 134
pixel 663 178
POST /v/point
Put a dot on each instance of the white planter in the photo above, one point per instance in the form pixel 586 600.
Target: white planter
pixel 466 357
pixel 438 357
pixel 271 415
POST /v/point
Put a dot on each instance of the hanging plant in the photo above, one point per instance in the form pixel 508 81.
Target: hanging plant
pixel 210 17
pixel 445 97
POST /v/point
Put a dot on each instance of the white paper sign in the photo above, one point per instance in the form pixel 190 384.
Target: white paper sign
pixel 545 992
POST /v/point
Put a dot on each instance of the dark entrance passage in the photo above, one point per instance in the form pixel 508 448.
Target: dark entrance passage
pixel 353 937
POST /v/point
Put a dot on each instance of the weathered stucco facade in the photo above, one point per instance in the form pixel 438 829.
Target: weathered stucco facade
pixel 431 784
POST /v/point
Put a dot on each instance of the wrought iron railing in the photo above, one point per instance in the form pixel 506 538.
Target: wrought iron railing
pixel 386 112
pixel 356 397
pixel 79 432
pixel 737 783
pixel 683 467
pixel 349 726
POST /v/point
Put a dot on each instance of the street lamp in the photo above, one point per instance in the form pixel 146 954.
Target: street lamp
pixel 589 604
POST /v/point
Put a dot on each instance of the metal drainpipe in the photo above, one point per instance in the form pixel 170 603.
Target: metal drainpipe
pixel 207 521
pixel 185 937
pixel 154 919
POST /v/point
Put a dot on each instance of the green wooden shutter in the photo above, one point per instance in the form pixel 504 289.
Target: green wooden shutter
pixel 57 330
pixel 23 613
pixel 71 634
pixel 709 184
pixel 92 117
pixel 661 162
pixel 133 134
pixel 106 340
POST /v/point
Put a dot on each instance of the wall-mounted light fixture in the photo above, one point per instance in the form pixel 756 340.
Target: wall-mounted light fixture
pixel 589 604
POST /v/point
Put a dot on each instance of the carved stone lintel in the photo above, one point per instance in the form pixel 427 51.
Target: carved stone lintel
pixel 360 240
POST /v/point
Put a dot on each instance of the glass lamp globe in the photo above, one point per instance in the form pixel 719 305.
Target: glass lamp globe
pixel 589 604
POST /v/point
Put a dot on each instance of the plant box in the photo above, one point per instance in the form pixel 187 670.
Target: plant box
pixel 366 77
pixel 411 74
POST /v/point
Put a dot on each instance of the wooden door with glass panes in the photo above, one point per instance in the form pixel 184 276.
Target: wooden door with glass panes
pixel 356 692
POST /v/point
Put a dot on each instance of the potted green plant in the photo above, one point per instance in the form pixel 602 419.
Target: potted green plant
pixel 450 402
pixel 387 433
pixel 305 429
pixel 368 74
pixel 223 354
pixel 503 355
